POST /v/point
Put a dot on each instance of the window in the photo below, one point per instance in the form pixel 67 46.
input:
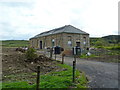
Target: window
pixel 84 40
pixel 69 41
pixel 69 38
pixel 53 42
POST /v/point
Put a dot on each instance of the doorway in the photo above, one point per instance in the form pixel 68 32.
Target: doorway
pixel 40 44
pixel 78 44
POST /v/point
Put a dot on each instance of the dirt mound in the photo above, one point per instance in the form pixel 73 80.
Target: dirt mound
pixel 46 64
pixel 42 58
pixel 14 62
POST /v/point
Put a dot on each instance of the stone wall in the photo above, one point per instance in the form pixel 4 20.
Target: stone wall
pixel 65 40
pixel 75 38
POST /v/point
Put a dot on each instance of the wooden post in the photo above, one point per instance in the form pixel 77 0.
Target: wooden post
pixel 55 56
pixel 51 52
pixel 75 58
pixel 73 71
pixel 62 59
pixel 38 77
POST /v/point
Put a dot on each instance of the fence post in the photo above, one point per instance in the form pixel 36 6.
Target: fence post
pixel 62 59
pixel 55 56
pixel 51 52
pixel 38 77
pixel 75 58
pixel 74 71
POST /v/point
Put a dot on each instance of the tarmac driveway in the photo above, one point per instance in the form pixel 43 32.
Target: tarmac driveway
pixel 100 74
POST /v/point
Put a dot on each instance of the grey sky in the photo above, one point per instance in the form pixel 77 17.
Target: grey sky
pixel 22 19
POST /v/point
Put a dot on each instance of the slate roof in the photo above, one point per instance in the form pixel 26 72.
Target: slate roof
pixel 64 29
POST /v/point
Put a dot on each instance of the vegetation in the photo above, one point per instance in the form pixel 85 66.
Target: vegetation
pixel 60 79
pixel 104 49
pixel 93 40
pixel 30 54
pixel 19 84
pixel 112 38
pixel 15 43
pixel 111 41
pixel 0 85
pixel 85 56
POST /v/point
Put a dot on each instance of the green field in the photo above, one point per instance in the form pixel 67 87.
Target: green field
pixel 61 79
pixel 15 43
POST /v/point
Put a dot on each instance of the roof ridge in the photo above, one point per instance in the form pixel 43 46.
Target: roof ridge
pixel 63 29
pixel 78 29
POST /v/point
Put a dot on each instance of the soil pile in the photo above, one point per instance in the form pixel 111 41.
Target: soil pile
pixel 14 62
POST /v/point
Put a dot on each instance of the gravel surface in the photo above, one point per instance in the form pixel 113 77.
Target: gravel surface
pixel 100 74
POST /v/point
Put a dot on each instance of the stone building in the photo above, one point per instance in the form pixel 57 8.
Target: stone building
pixel 66 37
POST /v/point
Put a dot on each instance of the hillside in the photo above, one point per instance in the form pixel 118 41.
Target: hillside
pixel 106 40
pixel 112 38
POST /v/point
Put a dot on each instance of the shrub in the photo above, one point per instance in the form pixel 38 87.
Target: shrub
pixel 113 48
pixel 30 54
pixel 116 48
pixel 99 46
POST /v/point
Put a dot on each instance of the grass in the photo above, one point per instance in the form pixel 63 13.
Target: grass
pixel 85 56
pixel 0 85
pixel 113 52
pixel 19 84
pixel 60 79
pixel 111 47
pixel 15 43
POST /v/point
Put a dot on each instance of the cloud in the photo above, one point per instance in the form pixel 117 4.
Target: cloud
pixel 26 18
pixel 16 4
pixel 100 18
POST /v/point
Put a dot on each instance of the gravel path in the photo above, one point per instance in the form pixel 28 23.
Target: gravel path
pixel 100 74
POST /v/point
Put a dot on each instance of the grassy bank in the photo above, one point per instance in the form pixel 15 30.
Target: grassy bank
pixel 61 79
pixel 15 43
